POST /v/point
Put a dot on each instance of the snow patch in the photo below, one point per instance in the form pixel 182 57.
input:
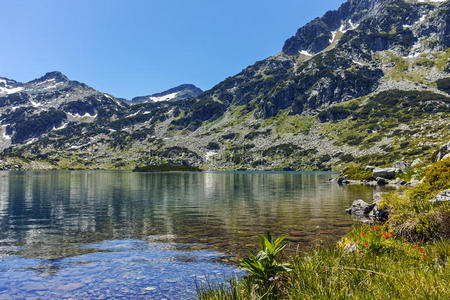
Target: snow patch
pixel 31 141
pixel 86 115
pixel 133 114
pixel 333 36
pixel 64 125
pixel 343 29
pixel 304 52
pixel 433 1
pixel 5 136
pixel 164 98
pixel 9 91
pixel 209 154
pixel 352 26
pixel 35 104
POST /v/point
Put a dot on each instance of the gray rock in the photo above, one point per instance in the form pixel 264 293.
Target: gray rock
pixel 381 181
pixel 387 173
pixel 376 197
pixel 379 215
pixel 360 208
pixel 351 247
pixel 370 168
pixel 443 196
pixel 416 162
pixel 342 180
pixel 401 165
pixel 444 151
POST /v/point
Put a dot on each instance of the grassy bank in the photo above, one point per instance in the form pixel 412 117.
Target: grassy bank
pixel 404 258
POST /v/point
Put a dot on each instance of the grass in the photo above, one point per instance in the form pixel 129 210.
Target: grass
pixel 388 269
pixel 285 123
pixel 370 262
pixel 358 172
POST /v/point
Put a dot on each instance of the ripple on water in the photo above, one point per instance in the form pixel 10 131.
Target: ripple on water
pixel 131 268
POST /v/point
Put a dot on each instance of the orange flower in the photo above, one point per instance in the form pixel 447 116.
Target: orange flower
pixel 384 232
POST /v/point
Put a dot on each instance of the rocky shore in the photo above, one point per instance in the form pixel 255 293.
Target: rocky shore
pixel 370 213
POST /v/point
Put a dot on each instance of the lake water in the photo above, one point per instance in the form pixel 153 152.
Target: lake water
pixel 153 235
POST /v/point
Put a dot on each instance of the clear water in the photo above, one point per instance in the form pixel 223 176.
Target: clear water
pixel 153 235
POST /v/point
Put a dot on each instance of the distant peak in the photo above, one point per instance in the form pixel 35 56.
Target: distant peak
pixel 55 75
pixel 177 93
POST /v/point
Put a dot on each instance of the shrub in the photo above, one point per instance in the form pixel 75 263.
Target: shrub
pixel 437 178
pixel 358 172
pixel 264 267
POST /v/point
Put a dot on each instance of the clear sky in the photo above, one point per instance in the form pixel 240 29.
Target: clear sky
pixel 138 47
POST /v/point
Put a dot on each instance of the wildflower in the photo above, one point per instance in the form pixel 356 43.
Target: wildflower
pixel 386 237
pixel 391 233
pixel 271 279
pixel 424 255
pixel 421 250
pixel 366 244
pixel 384 232
pixel 363 233
pixel 415 247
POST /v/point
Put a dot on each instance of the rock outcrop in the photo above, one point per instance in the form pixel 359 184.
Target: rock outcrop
pixel 444 152
pixel 368 213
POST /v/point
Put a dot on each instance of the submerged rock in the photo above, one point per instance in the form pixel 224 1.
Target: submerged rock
pixel 342 180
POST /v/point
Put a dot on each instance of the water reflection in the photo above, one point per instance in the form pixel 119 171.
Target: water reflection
pixel 47 214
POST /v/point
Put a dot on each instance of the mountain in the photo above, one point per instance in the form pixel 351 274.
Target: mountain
pixel 366 83
pixel 177 93
pixel 48 104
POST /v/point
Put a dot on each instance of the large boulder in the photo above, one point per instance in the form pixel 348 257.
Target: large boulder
pixel 444 151
pixel 401 165
pixel 360 208
pixel 443 196
pixel 387 173
pixel 381 181
pixel 379 214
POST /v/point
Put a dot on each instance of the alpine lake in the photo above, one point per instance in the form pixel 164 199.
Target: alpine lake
pixel 101 234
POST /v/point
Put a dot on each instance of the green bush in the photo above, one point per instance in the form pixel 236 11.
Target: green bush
pixel 437 178
pixel 358 172
pixel 264 267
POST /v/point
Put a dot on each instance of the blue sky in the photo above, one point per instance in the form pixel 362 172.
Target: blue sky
pixel 138 47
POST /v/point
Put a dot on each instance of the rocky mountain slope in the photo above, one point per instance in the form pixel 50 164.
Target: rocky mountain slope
pixel 368 82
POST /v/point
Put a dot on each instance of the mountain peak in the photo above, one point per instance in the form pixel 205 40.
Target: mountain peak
pixel 182 91
pixel 51 76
